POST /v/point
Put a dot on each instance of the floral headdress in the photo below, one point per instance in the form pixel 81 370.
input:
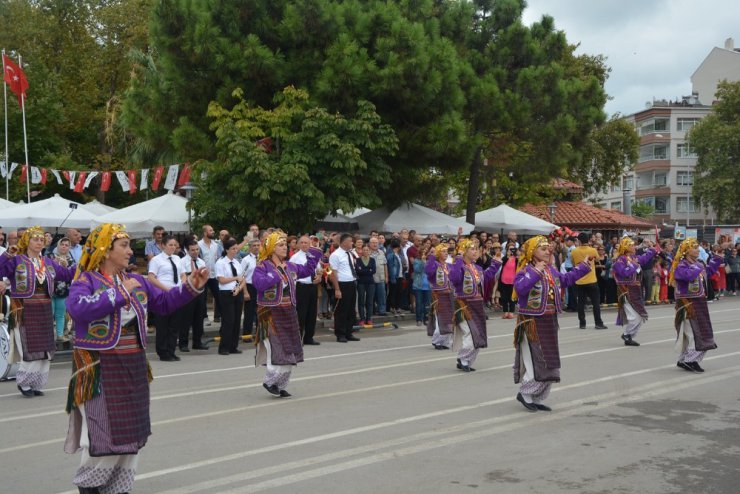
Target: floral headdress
pixel 464 244
pixel 268 248
pixel 98 243
pixel 683 249
pixel 528 249
pixel 624 245
pixel 27 235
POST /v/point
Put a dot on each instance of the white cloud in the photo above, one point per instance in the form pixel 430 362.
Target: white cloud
pixel 653 47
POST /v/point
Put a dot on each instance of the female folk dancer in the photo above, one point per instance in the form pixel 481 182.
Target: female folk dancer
pixel 108 398
pixel 693 326
pixel 278 338
pixel 537 287
pixel 470 333
pixel 32 280
pixel 441 322
pixel 630 306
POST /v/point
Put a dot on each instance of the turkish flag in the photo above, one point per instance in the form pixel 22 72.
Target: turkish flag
pixel 158 171
pixel 43 175
pixel 184 176
pixel 15 77
pixel 81 182
pixel 131 181
pixel 23 173
pixel 105 182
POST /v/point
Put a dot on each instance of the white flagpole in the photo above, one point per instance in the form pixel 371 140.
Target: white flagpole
pixel 5 97
pixel 25 140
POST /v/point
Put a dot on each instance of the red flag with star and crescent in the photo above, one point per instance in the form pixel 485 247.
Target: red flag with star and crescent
pixel 15 78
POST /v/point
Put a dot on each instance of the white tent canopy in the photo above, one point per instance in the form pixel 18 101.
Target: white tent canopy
pixel 47 213
pixel 507 218
pixel 169 211
pixel 411 216
pixel 354 214
pixel 4 204
pixel 97 208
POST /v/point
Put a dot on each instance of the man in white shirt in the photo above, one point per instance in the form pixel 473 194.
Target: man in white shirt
pixel 75 247
pixel 194 312
pixel 306 293
pixel 164 272
pixel 343 278
pixel 210 252
pixel 511 239
pixel 249 262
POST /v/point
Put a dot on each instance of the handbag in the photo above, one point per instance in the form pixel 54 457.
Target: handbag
pixel 728 269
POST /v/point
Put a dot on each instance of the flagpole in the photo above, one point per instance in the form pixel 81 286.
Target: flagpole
pixel 25 140
pixel 7 165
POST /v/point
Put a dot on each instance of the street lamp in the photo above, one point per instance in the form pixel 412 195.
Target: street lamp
pixel 189 188
pixel 552 208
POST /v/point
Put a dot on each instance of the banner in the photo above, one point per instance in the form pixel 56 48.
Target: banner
pixel 171 181
pixel 58 176
pixel 123 180
pixel 131 181
pixel 3 169
pixel 144 179
pixel 90 176
pixel 80 185
pixel 71 179
pixel 35 175
pixel 105 182
pixel 158 171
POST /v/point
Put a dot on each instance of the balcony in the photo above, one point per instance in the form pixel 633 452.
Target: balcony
pixel 651 186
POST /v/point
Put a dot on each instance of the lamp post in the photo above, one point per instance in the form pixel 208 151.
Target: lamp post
pixel 189 188
pixel 552 208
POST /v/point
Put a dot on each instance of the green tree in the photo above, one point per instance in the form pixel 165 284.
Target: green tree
pixel 642 209
pixel 716 141
pixel 319 161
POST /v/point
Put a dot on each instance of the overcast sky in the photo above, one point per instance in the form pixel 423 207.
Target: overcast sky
pixel 653 46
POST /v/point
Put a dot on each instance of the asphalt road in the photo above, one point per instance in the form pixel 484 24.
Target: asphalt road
pixel 390 414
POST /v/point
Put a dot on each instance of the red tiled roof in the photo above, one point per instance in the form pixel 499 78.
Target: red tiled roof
pixel 579 215
pixel 561 183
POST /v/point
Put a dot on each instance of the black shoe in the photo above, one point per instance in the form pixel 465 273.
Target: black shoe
pixel 352 338
pixel 341 339
pixel 600 326
pixel 168 358
pixel 236 351
pixel 184 349
pixel 582 327
pixel 175 358
pixel 542 407
pixel 628 341
pixel 272 389
pixel 28 393
pixel 36 392
pixel 684 366
pixel 529 406
pixel 89 490
pixel 459 364
pixel 223 352
pixel 284 394
pixel 200 347
pixel 311 342
pixel 216 319
pixel 695 366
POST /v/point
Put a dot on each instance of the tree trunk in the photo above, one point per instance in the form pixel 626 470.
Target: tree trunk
pixel 473 184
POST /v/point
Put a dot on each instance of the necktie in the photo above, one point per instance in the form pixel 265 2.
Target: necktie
pixel 351 264
pixel 233 269
pixel 174 271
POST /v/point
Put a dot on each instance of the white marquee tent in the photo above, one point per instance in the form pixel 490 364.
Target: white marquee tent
pixel 47 213
pixel 507 218
pixel 98 208
pixel 169 211
pixel 412 216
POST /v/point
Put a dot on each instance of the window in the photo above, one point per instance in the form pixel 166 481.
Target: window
pixel 685 151
pixel 616 188
pixel 685 178
pixel 654 126
pixel 660 180
pixel 684 124
pixel 616 205
pixel 681 205
pixel 654 152
pixel 661 205
pixel 627 183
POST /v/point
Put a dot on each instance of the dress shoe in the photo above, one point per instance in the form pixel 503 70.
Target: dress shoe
pixel 236 351
pixel 582 326
pixel 352 338
pixel 168 358
pixel 628 341
pixel 341 339
pixel 223 352
pixel 459 364
pixel 200 347
pixel 184 349
pixel 175 358
pixel 695 366
pixel 600 326
pixel 37 392
pixel 529 406
pixel 466 368
pixel 684 366
pixel 284 394
pixel 28 393
pixel 542 407
pixel 311 342
pixel 272 389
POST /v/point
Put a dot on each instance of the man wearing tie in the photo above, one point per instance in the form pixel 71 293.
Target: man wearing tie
pixel 343 278
pixel 164 274
pixel 230 286
pixel 194 312
pixel 306 294
pixel 250 294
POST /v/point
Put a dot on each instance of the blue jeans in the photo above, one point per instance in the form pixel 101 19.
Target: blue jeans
pixel 423 300
pixel 365 296
pixel 58 310
pixel 380 297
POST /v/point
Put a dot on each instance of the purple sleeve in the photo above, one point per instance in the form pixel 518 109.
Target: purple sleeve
pixel 687 272
pixel 262 279
pixel 62 274
pixel 84 306
pixel 570 278
pixel 525 280
pixel 624 269
pixel 647 256
pixel 7 266
pixel 713 265
pixel 431 268
pixel 456 271
pixel 166 302
pixel 313 256
pixel 492 270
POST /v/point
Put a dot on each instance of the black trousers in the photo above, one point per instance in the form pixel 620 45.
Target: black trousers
pixel 250 310
pixel 231 315
pixel 590 291
pixel 307 306
pixel 167 331
pixel 572 297
pixel 212 286
pixel 647 283
pixel 192 317
pixel 506 292
pixel 344 315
